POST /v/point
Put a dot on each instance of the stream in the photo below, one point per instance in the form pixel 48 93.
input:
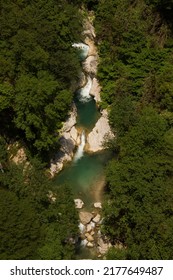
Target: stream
pixel 85 174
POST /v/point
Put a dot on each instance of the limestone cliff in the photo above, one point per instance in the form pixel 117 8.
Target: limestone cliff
pixel 99 134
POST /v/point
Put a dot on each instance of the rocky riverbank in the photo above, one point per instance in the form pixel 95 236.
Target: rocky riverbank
pixel 89 226
pixel 102 130
pixel 100 133
pixel 69 138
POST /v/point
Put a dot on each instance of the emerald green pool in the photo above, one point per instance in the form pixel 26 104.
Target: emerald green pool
pixel 87 112
pixel 85 176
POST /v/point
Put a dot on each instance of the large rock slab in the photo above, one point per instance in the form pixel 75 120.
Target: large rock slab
pixel 89 30
pixel 85 217
pixel 74 134
pixel 95 90
pixel 100 133
pixel 68 141
pixel 71 120
pixel 90 64
pixel 92 47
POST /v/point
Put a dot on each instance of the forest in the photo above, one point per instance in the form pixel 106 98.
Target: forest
pixel 39 71
pixel 135 40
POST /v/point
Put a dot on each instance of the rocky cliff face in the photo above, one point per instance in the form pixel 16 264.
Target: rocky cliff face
pixel 69 138
pixel 99 134
pixel 91 63
pixel 102 130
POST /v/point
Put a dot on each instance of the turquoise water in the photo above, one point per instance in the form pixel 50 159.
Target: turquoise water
pixel 87 112
pixel 84 176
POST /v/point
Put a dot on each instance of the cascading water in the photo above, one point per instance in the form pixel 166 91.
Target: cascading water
pixel 80 149
pixel 84 93
pixel 85 174
pixel 83 49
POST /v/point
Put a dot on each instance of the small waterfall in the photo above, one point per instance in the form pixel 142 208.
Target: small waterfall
pixel 84 93
pixel 80 149
pixel 83 48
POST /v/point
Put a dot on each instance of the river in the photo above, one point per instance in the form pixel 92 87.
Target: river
pixel 85 174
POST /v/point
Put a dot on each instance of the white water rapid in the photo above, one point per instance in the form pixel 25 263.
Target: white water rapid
pixel 84 93
pixel 82 47
pixel 80 149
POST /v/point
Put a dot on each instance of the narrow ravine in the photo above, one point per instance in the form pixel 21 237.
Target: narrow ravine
pixel 85 172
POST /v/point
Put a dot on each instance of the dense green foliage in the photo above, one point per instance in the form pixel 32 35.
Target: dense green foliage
pixel 135 44
pixel 39 71
pixel 37 219
pixel 38 68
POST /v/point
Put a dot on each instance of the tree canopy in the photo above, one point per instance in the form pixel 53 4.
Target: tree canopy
pixel 135 47
pixel 38 68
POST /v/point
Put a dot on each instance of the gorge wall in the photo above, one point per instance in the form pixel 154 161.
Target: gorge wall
pixel 71 136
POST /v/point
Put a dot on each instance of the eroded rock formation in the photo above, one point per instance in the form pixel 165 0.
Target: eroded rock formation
pixel 68 140
pixel 100 133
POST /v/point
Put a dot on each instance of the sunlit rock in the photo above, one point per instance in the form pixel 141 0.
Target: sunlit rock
pixel 97 218
pixel 89 237
pixel 85 217
pixel 78 203
pixel 97 205
pixel 90 64
pixel 99 134
pixel 95 90
pixel 90 245
pixel 103 246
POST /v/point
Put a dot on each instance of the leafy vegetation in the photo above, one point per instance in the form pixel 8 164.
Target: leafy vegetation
pixel 39 71
pixel 38 68
pixel 135 46
pixel 38 219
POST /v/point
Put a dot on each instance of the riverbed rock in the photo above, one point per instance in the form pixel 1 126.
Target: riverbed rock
pixel 89 237
pixel 98 205
pixel 85 217
pixel 92 47
pixel 68 141
pixel 71 120
pixel 74 134
pixel 97 218
pixel 90 245
pixel 89 29
pixel 82 80
pixel 78 203
pixel 100 133
pixel 90 64
pixel 103 246
pixel 95 90
pixel 88 228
